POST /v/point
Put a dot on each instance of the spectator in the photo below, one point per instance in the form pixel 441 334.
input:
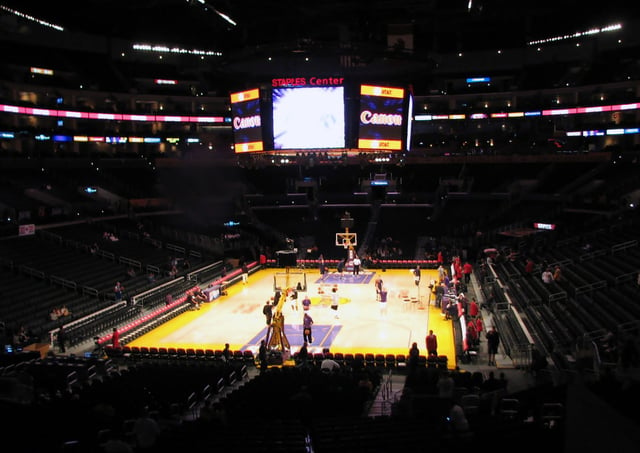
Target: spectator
pixel 118 291
pixel 493 341
pixel 329 365
pixel 115 338
pixel 432 344
pixel 413 356
pixel 529 266
pixel 557 274
pixel 262 356
pixel 467 269
pixel 146 431
pixel 62 340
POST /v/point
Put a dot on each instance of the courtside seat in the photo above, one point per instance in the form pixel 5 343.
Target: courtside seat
pixel 249 357
pixel 112 352
pixel 390 361
pixel 509 409
pixel 163 353
pixel 443 362
pixel 134 352
pixel 369 359
pixel 349 358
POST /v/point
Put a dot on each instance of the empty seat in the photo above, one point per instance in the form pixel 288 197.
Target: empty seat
pixel 249 357
pixel 390 361
pixel 369 359
pixel 551 414
pixel 349 358
pixel 509 408
pixel 442 361
pixel 470 403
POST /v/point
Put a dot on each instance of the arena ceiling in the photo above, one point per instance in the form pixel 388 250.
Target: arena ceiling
pixel 435 25
pixel 399 39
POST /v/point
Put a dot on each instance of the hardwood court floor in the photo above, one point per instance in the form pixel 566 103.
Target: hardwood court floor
pixel 236 318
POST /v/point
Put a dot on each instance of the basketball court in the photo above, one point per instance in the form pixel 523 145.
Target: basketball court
pixel 361 326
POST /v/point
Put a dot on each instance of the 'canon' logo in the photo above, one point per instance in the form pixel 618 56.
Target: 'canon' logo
pixel 383 119
pixel 245 123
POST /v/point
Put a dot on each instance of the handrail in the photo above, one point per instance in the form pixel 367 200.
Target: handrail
pixel 140 297
pixel 53 332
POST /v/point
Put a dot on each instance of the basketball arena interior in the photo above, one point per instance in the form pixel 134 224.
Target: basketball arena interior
pixel 184 184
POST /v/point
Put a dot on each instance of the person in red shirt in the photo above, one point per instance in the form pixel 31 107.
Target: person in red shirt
pixel 115 338
pixel 467 268
pixel 473 308
pixel 432 343
pixel 479 326
pixel 472 334
pixel 528 268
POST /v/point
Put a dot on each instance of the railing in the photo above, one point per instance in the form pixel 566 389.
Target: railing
pixel 131 262
pixel 211 269
pixel 83 320
pixel 31 271
pixel 176 248
pixel 139 299
pixel 63 282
